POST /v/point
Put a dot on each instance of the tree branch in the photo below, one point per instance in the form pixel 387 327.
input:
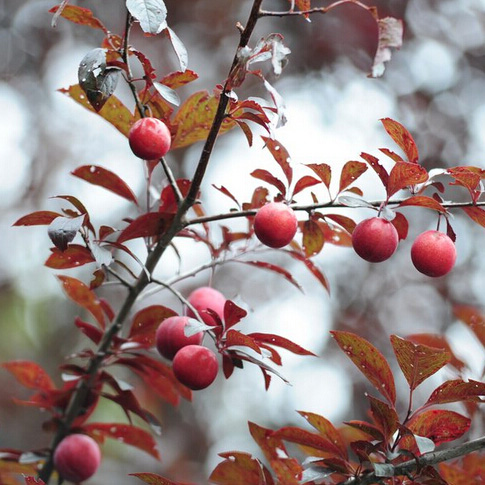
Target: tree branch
pixel 432 458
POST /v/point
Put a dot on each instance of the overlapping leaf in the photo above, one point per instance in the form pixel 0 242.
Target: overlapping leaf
pixel 403 138
pixel 457 390
pixel 239 467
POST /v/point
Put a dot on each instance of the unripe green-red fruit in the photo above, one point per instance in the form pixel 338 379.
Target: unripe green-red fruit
pixel 170 336
pixel 375 239
pixel 275 224
pixel 204 298
pixel 149 138
pixel 77 457
pixel 433 253
pixel 195 366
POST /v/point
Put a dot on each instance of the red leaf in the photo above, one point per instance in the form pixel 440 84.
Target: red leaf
pixel 233 314
pixel 404 174
pixel 476 214
pixel 153 479
pixel 278 341
pixel 327 430
pixel 105 178
pixel 367 428
pixel 468 177
pixel 226 192
pixel 270 179
pixel 457 390
pixel 304 182
pixel 33 481
pixel 403 139
pixel 239 467
pixel 178 79
pixel 235 338
pixel 147 225
pixel 74 256
pixel 424 201
pixel 439 425
pixel 168 202
pixel 346 222
pixel 350 173
pixel 313 238
pixel 312 267
pixel 89 330
pixel 469 469
pixel 29 374
pixel 78 292
pixel 402 225
pixel 146 322
pixel 384 416
pixel 281 155
pixel 369 361
pixel 334 235
pixel 39 218
pixel 323 171
pixel 81 16
pixel 417 361
pixel 307 438
pixel 277 269
pixel 131 435
pixel 378 168
pixel 473 318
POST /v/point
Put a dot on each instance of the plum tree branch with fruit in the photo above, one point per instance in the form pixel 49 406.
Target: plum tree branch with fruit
pixel 377 448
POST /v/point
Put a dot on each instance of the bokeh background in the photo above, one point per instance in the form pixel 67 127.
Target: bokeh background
pixel 435 86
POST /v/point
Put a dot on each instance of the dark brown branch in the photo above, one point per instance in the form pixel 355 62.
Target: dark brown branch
pixel 432 458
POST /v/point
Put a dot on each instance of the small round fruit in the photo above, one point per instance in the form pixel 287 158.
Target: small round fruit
pixel 375 239
pixel 207 298
pixel 149 138
pixel 275 224
pixel 170 336
pixel 433 253
pixel 195 366
pixel 77 457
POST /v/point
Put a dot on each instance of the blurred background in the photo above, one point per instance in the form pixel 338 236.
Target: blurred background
pixel 435 86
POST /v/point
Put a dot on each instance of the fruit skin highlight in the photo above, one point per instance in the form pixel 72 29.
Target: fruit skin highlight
pixel 375 239
pixel 149 138
pixel 170 336
pixel 204 298
pixel 77 457
pixel 433 253
pixel 195 366
pixel 275 224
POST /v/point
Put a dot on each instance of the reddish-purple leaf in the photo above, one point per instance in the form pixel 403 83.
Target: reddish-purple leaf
pixel 476 214
pixel 378 168
pixel 239 467
pixel 313 237
pixel 369 361
pixel 392 155
pixel 246 130
pixel 78 292
pixel 227 193
pixel 468 177
pixel 233 314
pixel 404 174
pixel 417 361
pixel 367 428
pixel 281 155
pixel 304 182
pixel 327 430
pixel 92 332
pixel 270 179
pixel 125 433
pixel 235 338
pixel 146 322
pixel 105 178
pixel 424 201
pixel 282 342
pixel 277 269
pixel 75 255
pixel 473 318
pixel 402 138
pixel 147 225
pixel 168 201
pixel 153 479
pixel 402 225
pixel 439 425
pixel 33 481
pixel 29 374
pixel 457 390
pixel 384 416
pixel 323 171
pixel 312 267
pixel 351 171
pixel 346 222
pixel 307 438
pixel 39 218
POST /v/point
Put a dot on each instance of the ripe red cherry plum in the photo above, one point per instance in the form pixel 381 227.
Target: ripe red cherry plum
pixel 170 336
pixel 275 224
pixel 433 253
pixel 204 298
pixel 375 239
pixel 77 457
pixel 195 366
pixel 149 138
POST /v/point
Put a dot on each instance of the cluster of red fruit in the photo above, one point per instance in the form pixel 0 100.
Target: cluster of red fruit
pixel 433 253
pixel 194 365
